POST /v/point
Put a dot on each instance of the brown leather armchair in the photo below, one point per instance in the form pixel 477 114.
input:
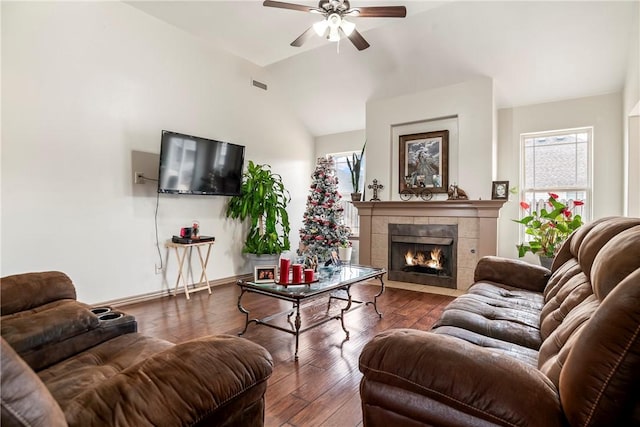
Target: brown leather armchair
pixel 62 364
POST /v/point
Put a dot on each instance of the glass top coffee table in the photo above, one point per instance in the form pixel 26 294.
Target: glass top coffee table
pixel 328 284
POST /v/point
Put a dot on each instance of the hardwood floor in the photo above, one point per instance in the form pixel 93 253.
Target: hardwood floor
pixel 321 388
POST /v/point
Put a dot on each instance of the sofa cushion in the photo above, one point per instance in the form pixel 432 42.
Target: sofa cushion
pixel 517 273
pixel 25 291
pixel 598 237
pixel 508 296
pixel 135 381
pixel 93 366
pixel 419 378
pixel 555 349
pixel 599 380
pixel 617 260
pixel 611 248
pixel 25 399
pixel 493 310
pixel 574 290
pixel 523 354
pixel 47 324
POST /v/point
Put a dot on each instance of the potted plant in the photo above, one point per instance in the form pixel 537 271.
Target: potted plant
pixel 355 167
pixel 344 251
pixel 263 199
pixel 548 229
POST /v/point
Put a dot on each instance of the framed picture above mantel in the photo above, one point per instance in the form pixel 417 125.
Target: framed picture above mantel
pixel 424 161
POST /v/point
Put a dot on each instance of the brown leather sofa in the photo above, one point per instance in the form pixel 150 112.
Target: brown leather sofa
pixel 524 346
pixel 66 363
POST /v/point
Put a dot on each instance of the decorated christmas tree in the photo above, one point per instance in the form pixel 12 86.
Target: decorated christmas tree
pixel 323 228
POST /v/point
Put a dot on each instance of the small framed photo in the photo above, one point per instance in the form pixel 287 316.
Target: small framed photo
pixel 264 274
pixel 500 190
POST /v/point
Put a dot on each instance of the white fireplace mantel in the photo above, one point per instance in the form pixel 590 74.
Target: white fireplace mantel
pixel 477 222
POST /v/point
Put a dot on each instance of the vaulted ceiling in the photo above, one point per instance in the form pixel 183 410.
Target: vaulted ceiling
pixel 535 51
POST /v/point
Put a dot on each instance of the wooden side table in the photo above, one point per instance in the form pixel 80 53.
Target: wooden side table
pixel 181 250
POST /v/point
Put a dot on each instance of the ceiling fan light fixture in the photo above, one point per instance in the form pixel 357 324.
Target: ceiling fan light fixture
pixel 334 23
pixel 347 27
pixel 334 20
pixel 334 36
pixel 321 27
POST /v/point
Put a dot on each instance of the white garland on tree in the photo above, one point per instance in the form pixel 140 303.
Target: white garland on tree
pixel 323 228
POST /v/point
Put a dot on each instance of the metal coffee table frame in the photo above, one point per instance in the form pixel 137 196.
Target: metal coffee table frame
pixel 340 280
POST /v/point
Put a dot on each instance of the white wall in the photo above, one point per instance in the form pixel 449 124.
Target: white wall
pixel 84 84
pixel 631 122
pixel 340 142
pixel 471 102
pixel 604 113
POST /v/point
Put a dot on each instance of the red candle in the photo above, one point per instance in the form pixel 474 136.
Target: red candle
pixel 308 275
pixel 285 263
pixel 297 273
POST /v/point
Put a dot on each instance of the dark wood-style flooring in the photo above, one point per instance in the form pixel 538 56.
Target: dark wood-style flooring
pixel 321 388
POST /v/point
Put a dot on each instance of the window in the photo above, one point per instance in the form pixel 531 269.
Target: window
pixel 342 172
pixel 345 187
pixel 557 162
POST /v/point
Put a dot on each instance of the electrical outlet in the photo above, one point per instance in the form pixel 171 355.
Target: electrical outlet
pixel 138 178
pixel 159 269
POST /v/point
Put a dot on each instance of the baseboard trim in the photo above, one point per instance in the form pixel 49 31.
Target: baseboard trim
pixel 168 292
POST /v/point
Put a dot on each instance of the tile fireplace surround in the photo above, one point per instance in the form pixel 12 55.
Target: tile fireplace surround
pixel 477 222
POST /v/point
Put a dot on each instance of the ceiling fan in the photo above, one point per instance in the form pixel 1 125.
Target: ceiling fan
pixel 334 23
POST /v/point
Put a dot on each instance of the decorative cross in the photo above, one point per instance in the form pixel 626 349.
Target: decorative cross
pixel 375 187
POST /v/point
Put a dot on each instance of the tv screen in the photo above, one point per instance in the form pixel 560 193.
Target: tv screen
pixel 194 165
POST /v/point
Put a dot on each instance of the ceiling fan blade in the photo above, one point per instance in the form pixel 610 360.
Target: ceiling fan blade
pixel 356 38
pixel 303 37
pixel 378 12
pixel 291 6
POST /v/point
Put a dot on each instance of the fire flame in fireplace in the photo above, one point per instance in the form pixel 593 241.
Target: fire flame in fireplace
pixel 420 259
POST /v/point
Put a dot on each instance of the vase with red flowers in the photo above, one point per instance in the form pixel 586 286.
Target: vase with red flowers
pixel 548 227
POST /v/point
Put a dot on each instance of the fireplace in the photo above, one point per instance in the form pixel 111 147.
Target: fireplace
pixel 423 254
pixel 477 222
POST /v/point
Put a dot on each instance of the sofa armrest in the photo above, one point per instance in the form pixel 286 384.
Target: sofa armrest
pixel 446 381
pixel 24 399
pixel 512 272
pixel 206 381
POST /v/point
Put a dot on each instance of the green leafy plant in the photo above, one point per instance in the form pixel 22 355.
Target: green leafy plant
pixel 548 229
pixel 355 167
pixel 263 200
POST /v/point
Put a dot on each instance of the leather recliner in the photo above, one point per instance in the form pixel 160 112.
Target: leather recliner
pixel 63 364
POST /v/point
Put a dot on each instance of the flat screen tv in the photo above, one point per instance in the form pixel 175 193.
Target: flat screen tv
pixel 194 165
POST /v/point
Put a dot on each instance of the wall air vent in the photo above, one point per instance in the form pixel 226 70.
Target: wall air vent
pixel 258 84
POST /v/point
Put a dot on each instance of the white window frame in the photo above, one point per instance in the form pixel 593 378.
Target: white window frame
pixel 351 218
pixel 587 208
pixel 348 154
